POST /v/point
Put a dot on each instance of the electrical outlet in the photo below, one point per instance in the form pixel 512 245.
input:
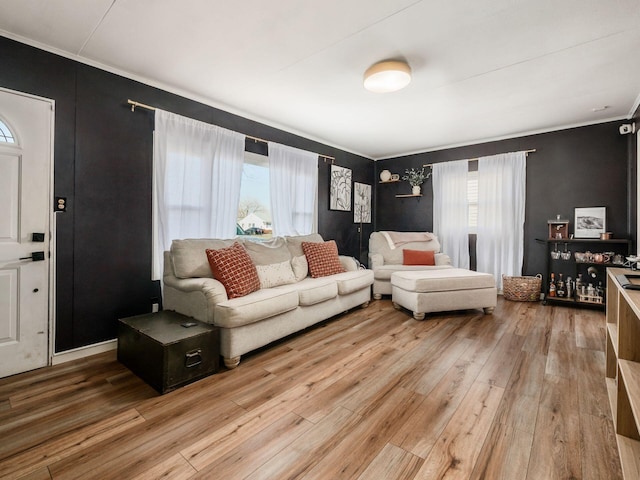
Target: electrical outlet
pixel 61 204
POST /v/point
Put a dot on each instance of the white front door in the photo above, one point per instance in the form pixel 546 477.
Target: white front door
pixel 25 208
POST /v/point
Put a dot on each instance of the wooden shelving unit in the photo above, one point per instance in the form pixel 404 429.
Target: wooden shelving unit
pixel 623 369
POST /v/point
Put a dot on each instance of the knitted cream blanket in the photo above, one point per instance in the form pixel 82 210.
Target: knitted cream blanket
pixel 396 239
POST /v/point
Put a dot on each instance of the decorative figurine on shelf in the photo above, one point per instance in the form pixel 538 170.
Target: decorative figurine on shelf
pixel 558 228
pixel 416 177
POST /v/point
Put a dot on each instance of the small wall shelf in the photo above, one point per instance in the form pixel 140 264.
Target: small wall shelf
pixel 389 181
pixel 406 195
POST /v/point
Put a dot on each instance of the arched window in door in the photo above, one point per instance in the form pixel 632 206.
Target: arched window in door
pixel 5 134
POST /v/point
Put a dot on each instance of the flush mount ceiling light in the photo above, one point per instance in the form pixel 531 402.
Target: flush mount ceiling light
pixel 387 76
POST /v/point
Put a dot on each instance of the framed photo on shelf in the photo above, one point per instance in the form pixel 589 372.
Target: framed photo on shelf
pixel 590 222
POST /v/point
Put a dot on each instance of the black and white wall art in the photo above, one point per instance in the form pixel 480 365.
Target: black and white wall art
pixel 340 189
pixel 361 203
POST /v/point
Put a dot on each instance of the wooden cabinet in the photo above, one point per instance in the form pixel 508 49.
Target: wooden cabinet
pixel 623 369
pixel 561 259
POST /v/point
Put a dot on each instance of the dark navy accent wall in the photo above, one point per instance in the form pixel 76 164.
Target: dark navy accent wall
pixel 103 164
pixel 103 161
pixel 588 166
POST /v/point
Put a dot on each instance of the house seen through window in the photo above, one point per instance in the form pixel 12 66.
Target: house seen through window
pixel 254 209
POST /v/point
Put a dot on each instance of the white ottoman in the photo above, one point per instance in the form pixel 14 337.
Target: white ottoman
pixel 427 291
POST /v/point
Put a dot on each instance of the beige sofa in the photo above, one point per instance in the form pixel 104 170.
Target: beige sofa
pixel 259 318
pixel 385 258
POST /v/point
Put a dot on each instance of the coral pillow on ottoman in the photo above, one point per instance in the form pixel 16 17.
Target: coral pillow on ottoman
pixel 233 268
pixel 322 258
pixel 418 257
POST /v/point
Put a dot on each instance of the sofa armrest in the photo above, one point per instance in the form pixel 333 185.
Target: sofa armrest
pixel 349 263
pixel 375 260
pixel 442 259
pixel 212 289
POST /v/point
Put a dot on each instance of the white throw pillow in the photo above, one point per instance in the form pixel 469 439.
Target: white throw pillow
pixel 300 267
pixel 275 274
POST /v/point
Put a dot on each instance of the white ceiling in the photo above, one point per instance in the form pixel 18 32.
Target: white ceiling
pixel 482 69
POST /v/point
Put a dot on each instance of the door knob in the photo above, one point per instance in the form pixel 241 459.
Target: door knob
pixel 35 256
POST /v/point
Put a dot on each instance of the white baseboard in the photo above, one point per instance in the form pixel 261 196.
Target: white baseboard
pixel 83 352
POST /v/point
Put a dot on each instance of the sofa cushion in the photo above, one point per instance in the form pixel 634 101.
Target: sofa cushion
pixel 275 274
pixel 300 267
pixel 232 266
pixel 268 252
pixel 254 307
pixel 442 280
pixel 294 244
pixel 189 256
pixel 418 257
pixel 349 282
pixel 384 272
pixel 314 290
pixel 322 258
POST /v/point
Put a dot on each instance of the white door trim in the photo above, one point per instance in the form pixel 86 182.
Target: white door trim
pixel 52 223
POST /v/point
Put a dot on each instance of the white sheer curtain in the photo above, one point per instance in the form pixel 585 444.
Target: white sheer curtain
pixel 501 205
pixel 196 181
pixel 293 175
pixel 451 210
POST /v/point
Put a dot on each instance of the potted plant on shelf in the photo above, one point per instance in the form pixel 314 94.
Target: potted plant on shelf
pixel 415 177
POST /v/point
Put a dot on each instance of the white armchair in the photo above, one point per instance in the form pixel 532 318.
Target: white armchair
pixel 385 258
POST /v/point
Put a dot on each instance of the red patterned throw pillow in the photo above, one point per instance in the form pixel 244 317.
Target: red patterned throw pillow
pixel 322 258
pixel 418 257
pixel 232 266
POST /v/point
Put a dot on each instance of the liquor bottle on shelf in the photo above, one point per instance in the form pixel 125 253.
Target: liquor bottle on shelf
pixel 579 285
pixel 570 287
pixel 552 285
pixel 600 292
pixel 560 288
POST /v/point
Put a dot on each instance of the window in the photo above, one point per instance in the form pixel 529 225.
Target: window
pixel 254 209
pixel 5 134
pixel 184 208
pixel 472 198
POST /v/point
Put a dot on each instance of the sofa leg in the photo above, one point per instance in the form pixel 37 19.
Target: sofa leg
pixel 396 306
pixel 231 363
pixel 418 316
pixel 377 296
pixel 365 305
pixel 488 310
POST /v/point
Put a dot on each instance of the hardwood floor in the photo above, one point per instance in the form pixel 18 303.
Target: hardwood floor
pixel 373 394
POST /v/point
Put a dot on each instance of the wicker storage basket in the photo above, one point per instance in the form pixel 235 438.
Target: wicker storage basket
pixel 522 289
